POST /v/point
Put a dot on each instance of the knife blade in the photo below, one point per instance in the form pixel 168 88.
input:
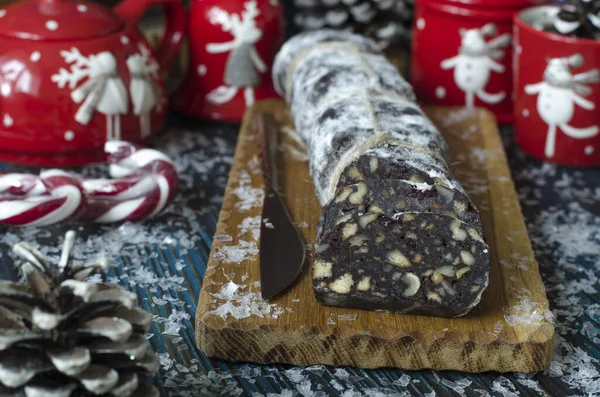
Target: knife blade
pixel 282 251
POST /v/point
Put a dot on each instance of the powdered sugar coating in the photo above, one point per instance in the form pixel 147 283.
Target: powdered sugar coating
pixel 305 41
pixel 346 98
pixel 340 128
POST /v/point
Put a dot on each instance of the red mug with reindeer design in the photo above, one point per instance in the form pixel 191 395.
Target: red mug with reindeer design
pixel 557 87
pixel 461 53
pixel 232 46
pixel 74 74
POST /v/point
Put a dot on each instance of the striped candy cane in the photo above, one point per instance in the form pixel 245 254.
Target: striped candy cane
pixel 144 182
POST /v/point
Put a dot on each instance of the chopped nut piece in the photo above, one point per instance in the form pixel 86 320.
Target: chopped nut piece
pixel 457 232
pixel 373 164
pixel 343 284
pixel 322 269
pixel 467 258
pixel 416 179
pixel 380 238
pixel 322 248
pixel 354 173
pixel 462 272
pixel 364 284
pixel 343 219
pixel 432 296
pixel 364 220
pixel 475 234
pixel 413 282
pixel 357 241
pixel 397 258
pixel 343 195
pixel 475 288
pixel 356 197
pixel 349 230
pixel 375 209
pixel 418 258
pixel 447 271
pixel 408 217
pixel 460 208
pixel 437 277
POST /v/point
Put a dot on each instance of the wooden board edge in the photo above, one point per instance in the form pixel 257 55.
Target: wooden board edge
pixel 544 330
pixel 267 347
pixel 221 229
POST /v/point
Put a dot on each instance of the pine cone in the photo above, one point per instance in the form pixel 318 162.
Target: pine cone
pixel 61 336
pixel 386 21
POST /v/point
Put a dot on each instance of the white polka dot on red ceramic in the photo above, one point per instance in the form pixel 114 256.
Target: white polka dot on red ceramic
pixel 82 8
pixel 420 23
pixel 440 92
pixel 519 49
pixel 589 150
pixel 7 120
pixel 202 70
pixel 5 89
pixel 525 112
pixel 35 56
pixel 69 135
pixel 51 25
pixel 124 40
pixel 2 13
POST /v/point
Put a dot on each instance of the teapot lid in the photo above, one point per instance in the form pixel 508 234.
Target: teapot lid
pixel 55 20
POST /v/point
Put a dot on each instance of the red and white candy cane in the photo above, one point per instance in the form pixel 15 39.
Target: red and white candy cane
pixel 145 181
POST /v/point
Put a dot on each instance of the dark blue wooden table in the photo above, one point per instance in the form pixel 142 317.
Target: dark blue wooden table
pixel 163 260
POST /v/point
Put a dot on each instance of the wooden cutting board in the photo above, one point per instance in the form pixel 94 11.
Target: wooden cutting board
pixel 510 330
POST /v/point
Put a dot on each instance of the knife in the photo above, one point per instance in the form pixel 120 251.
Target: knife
pixel 282 250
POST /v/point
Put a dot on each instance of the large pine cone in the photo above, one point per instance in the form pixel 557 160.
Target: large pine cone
pixel 61 336
pixel 386 21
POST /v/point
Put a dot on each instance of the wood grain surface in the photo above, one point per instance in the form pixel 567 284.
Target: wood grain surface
pixel 510 330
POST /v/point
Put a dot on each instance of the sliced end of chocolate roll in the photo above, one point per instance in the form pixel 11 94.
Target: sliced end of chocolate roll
pixel 405 262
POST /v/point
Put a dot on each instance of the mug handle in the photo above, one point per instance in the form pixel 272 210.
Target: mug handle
pixel 131 11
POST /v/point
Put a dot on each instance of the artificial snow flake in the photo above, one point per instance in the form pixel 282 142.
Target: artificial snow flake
pixel 237 253
pixel 248 196
pixel 527 312
pixel 238 302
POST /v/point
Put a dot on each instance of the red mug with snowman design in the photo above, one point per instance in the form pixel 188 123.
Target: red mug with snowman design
pixel 232 46
pixel 557 87
pixel 461 53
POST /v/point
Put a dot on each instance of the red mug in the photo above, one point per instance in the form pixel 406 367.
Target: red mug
pixel 74 74
pixel 233 44
pixel 557 86
pixel 461 53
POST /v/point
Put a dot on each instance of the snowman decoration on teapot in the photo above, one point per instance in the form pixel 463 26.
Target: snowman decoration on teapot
pixel 476 61
pixel 103 90
pixel 558 95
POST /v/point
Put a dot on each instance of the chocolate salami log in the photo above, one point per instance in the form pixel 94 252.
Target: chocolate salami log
pixel 397 231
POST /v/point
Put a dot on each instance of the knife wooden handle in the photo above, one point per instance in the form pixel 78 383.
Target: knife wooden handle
pixel 267 128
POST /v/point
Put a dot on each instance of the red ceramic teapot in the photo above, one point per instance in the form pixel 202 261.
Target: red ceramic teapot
pixel 74 74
